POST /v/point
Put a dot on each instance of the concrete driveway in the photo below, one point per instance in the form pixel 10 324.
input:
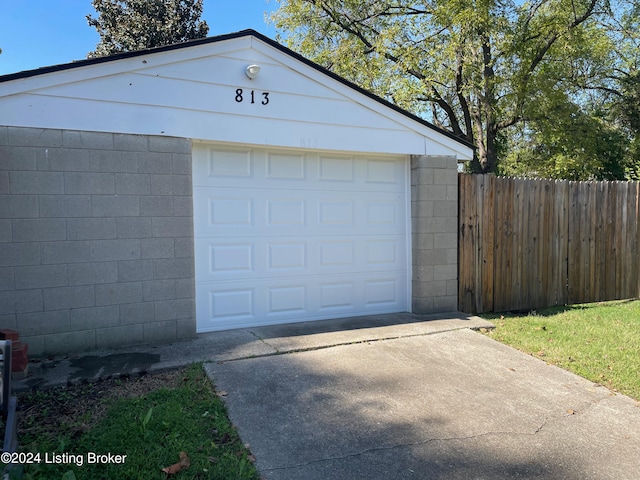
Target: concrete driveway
pixel 418 400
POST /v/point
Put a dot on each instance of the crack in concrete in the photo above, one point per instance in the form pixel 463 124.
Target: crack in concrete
pixel 402 445
pixel 326 346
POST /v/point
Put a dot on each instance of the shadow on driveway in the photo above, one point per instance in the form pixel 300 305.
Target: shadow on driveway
pixel 452 405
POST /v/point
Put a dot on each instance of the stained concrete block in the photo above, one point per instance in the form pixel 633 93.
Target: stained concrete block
pixel 164 268
pixel 87 140
pixel 93 273
pixel 422 208
pixel 36 344
pixel 78 183
pixel 21 301
pixel 8 321
pixel 445 240
pixel 114 206
pixel 34 137
pixel 170 185
pixel 18 158
pixel 119 336
pixel 185 288
pixel 64 160
pixel 133 184
pixel 157 248
pixel 17 254
pixel 94 317
pixel 18 206
pixel 43 323
pixel 64 206
pixel 59 343
pixel 7 281
pixel 445 177
pixel 174 309
pixel 159 290
pixel 91 228
pixel 4 183
pixel 445 304
pixel 445 272
pixel 185 328
pixel 66 252
pixel 41 276
pixel 23 182
pixel 172 226
pixel 430 289
pixel 422 305
pixel 135 313
pixel 154 163
pixel 181 163
pixel 429 192
pixel 130 143
pixel 134 227
pixel 118 293
pixel 39 229
pixel 135 270
pixel 169 144
pixel 65 298
pixel 445 209
pixel 156 206
pixel 160 332
pixel 5 231
pixel 184 247
pixel 183 206
pixel 113 250
pixel 113 161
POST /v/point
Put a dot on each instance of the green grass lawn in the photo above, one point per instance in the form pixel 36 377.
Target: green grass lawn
pixel 599 341
pixel 150 419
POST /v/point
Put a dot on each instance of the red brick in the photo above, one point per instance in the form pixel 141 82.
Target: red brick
pixel 8 334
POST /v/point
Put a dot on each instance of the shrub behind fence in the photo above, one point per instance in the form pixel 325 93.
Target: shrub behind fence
pixel 530 243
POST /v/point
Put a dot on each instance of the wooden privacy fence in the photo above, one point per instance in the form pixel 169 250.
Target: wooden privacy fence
pixel 530 243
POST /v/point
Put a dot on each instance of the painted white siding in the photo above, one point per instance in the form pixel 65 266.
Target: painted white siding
pixel 193 92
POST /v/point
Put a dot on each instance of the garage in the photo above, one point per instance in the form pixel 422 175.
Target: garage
pixel 292 235
pixel 226 182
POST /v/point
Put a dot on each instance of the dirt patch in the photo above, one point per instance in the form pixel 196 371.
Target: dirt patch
pixel 78 407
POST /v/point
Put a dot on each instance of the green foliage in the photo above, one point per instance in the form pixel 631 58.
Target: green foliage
pixel 598 341
pixel 150 429
pixel 501 74
pixel 129 25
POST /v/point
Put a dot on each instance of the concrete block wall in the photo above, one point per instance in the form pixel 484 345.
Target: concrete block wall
pixel 434 221
pixel 96 239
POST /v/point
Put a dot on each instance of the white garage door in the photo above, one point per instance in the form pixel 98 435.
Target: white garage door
pixel 286 236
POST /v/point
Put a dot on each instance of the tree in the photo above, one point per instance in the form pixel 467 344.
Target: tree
pixel 129 25
pixel 479 68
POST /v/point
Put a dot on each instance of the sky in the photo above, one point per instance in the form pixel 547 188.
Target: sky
pixel 40 33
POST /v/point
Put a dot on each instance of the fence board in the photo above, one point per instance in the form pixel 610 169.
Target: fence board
pixel 527 244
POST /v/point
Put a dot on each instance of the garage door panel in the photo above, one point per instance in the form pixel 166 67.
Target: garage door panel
pixel 284 236
pixel 264 212
pixel 219 259
pixel 252 167
pixel 269 301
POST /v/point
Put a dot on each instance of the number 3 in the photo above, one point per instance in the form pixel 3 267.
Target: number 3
pixel 266 98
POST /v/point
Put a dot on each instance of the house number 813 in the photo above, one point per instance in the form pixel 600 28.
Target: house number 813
pixel 240 96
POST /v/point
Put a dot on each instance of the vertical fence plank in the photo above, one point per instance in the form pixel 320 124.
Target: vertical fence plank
pixel 530 243
pixel 488 219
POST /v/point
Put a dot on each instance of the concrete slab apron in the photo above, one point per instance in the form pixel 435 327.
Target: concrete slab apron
pixel 452 405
